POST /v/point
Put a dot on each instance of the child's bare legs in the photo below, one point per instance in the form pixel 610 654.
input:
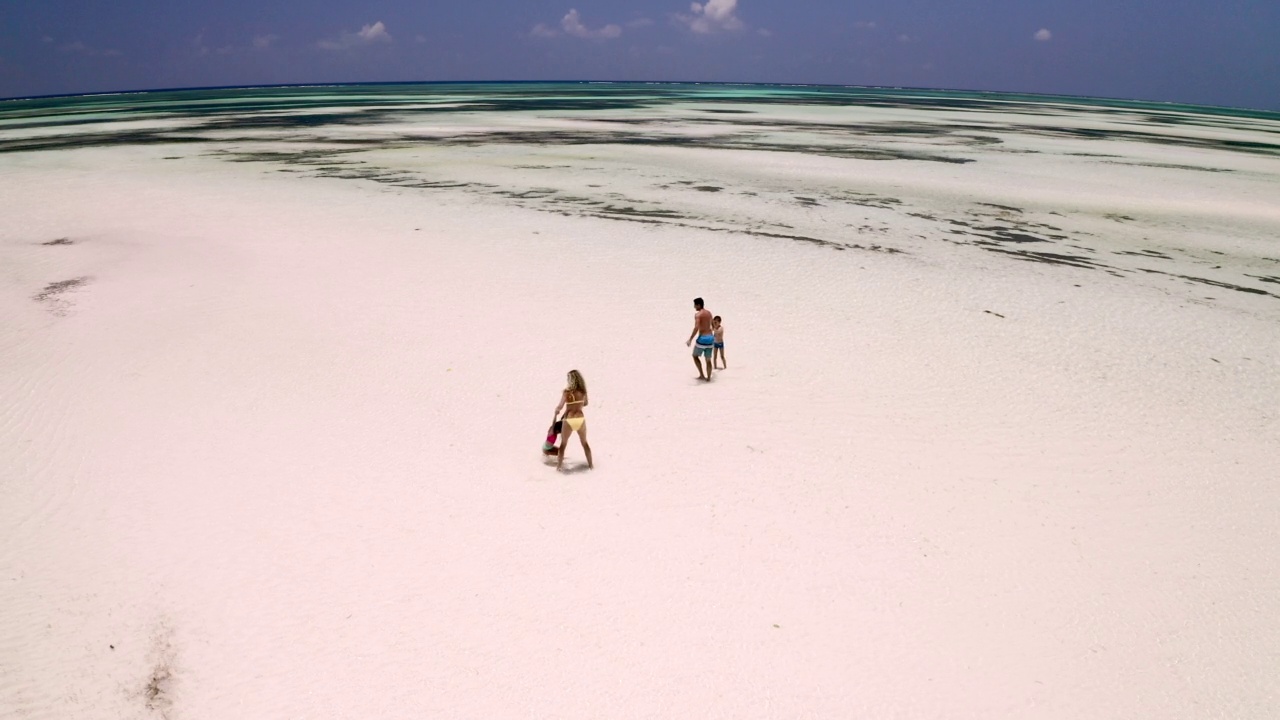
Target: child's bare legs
pixel 564 440
pixel 719 358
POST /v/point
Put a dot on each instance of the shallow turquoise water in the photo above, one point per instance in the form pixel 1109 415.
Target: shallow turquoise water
pixel 578 96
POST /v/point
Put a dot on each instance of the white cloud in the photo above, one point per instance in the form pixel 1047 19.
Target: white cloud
pixel 367 35
pixel 46 39
pixel 262 42
pixel 712 16
pixel 764 32
pixel 865 25
pixel 376 32
pixel 904 38
pixel 1043 35
pixel 542 31
pixel 572 25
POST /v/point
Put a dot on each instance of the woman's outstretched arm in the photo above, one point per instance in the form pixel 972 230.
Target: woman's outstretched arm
pixel 563 396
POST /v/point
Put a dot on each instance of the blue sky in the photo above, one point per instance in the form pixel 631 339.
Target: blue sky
pixel 1223 52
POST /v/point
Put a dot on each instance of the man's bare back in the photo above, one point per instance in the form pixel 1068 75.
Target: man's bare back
pixel 703 320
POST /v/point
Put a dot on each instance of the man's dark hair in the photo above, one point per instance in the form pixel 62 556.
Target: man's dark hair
pixel 697 302
pixel 716 317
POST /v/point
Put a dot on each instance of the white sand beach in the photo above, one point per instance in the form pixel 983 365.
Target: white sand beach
pixel 270 424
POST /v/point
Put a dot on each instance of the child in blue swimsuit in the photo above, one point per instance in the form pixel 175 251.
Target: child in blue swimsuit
pixel 718 333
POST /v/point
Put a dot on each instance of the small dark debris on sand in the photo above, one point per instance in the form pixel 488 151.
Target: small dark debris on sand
pixel 60 241
pixel 157 688
pixel 157 692
pixel 993 313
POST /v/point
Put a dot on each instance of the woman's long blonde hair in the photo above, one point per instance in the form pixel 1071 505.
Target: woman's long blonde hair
pixel 576 383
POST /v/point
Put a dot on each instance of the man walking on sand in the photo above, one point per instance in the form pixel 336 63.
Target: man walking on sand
pixel 706 338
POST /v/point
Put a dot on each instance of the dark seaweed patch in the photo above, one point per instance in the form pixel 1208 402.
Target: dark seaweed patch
pixel 325 158
pixel 1019 233
pixel 54 289
pixel 1170 166
pixel 707 188
pixel 299 121
pixel 1005 235
pixel 1007 208
pixel 59 241
pixel 532 193
pixel 436 184
pixel 102 139
pixel 615 210
pixel 52 293
pixel 1248 146
pixel 664 217
pixel 1214 283
pixel 720 142
pixel 867 200
pixel 1043 257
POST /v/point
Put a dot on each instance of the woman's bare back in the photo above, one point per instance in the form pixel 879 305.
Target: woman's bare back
pixel 574 401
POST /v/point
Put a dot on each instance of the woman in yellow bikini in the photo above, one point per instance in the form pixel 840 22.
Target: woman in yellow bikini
pixel 572 400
